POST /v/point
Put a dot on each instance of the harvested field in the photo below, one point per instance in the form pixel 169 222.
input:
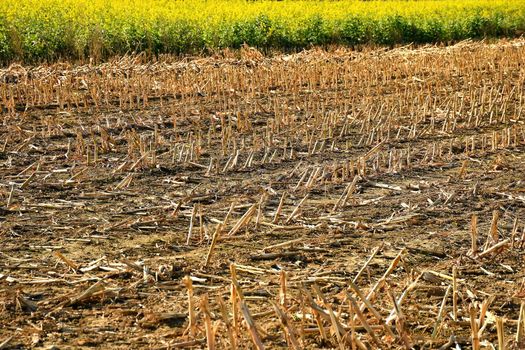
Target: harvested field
pixel 336 199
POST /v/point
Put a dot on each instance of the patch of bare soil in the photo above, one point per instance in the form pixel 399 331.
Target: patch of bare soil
pixel 335 199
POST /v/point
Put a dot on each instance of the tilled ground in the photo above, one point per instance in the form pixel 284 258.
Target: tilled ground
pixel 235 200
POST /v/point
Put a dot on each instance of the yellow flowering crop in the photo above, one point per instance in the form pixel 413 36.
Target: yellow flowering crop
pixel 51 29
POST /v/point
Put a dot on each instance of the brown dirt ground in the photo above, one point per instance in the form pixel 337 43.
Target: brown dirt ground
pixel 103 167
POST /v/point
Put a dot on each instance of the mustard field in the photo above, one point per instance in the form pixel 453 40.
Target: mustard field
pixel 39 30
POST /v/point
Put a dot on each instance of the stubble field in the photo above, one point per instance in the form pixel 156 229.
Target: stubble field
pixel 325 199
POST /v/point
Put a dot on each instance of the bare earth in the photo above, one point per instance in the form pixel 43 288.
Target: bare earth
pixel 116 178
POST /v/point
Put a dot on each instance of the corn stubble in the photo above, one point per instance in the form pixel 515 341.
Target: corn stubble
pixel 333 199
